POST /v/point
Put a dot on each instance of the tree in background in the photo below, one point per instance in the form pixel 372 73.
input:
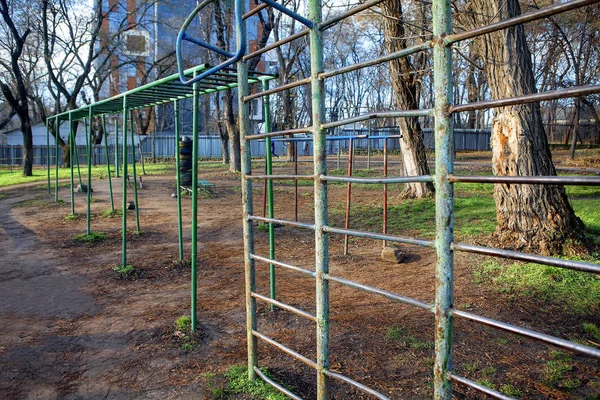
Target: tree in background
pixel 17 69
pixel 406 84
pixel 529 217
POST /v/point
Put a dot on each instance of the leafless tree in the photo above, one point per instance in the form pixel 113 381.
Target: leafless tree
pixel 18 67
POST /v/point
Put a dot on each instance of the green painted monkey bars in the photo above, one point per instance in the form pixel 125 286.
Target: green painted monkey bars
pixel 162 91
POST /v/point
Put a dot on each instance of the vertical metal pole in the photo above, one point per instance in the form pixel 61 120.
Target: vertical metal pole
pixel 339 151
pixel 444 199
pixel 320 168
pixel 124 205
pixel 385 188
pixel 116 148
pixel 178 190
pixel 77 157
pixel 48 154
pixel 269 162
pixel 349 192
pixel 249 270
pixel 195 111
pixel 135 184
pixel 88 147
pixel 369 147
pixel 112 202
pixel 295 181
pixel 71 159
pixel 57 135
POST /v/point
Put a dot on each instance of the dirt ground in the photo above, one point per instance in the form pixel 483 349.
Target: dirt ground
pixel 71 329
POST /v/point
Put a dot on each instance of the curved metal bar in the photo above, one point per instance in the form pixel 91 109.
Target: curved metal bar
pixel 290 13
pixel 276 385
pixel 233 57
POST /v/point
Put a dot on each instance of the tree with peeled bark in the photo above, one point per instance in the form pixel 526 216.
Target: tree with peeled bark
pixel 406 85
pixel 534 218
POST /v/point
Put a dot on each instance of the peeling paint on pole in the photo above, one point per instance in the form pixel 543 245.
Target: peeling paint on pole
pixel 444 200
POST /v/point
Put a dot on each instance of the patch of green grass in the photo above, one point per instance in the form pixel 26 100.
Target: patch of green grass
pixel 126 272
pixel 263 228
pixel 187 346
pixel 470 367
pixel 71 217
pixel 583 191
pixel 395 333
pixel 238 383
pixel 183 323
pixel 557 371
pixel 589 213
pixel 16 177
pixel 579 291
pixel 487 383
pixel 111 213
pixel 591 330
pixel 473 216
pixel 511 391
pixel 93 237
pixel 489 371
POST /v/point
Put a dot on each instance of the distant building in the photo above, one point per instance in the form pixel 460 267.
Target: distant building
pixel 146 51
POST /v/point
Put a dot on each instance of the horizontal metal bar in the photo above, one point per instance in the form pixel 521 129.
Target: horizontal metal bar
pixel 281 221
pixel 356 384
pixel 385 114
pixel 279 133
pixel 528 17
pixel 565 344
pixel 276 385
pixel 280 177
pixel 550 180
pixel 369 63
pixel 278 89
pixel 276 44
pixel 527 98
pixel 378 236
pixel 283 265
pixel 533 258
pixel 361 7
pixel 284 306
pixel 255 10
pixel 285 349
pixel 477 386
pixel 381 292
pixel 397 179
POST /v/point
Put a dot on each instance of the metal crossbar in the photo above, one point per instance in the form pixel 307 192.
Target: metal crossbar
pixel 444 180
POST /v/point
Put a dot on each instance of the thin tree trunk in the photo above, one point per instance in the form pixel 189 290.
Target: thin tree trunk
pixel 27 146
pixel 575 129
pixel 406 87
pixel 235 163
pixel 530 217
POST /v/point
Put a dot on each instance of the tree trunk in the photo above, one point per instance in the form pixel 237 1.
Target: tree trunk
pixel 530 217
pixel 27 145
pixel 406 87
pixel 575 129
pixel 235 163
pixel 222 134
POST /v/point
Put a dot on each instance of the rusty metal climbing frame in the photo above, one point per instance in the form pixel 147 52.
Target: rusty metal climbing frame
pixel 444 181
